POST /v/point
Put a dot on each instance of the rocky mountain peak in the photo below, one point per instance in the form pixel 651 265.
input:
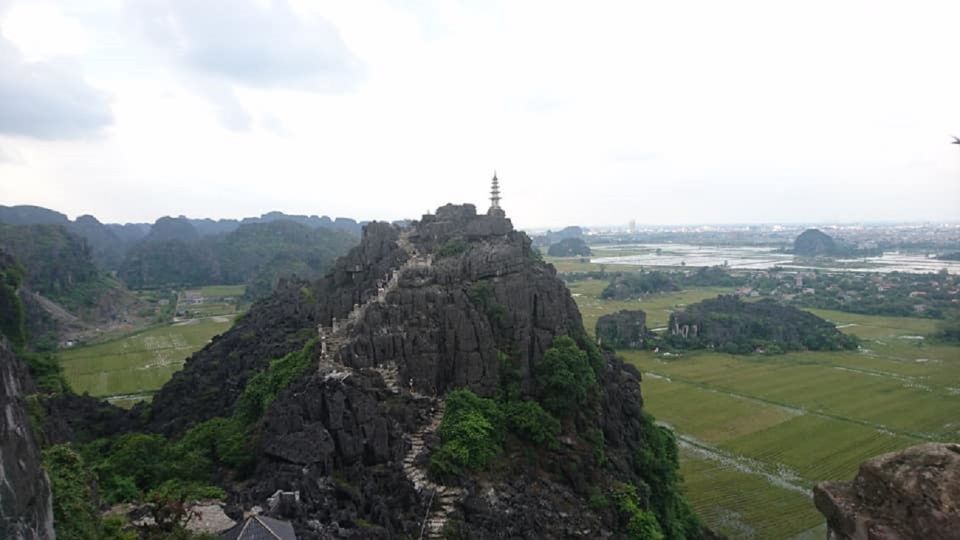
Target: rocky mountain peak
pixel 451 303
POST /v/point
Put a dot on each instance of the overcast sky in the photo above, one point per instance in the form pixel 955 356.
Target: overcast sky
pixel 591 112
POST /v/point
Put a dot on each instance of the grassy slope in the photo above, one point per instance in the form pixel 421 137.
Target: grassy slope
pixel 757 432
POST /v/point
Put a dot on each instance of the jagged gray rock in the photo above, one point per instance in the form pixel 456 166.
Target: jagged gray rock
pixel 911 494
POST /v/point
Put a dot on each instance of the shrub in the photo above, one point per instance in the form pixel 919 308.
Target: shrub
pixel 451 248
pixel 221 441
pixel 640 524
pixel 471 432
pixel 76 512
pixel 565 377
pixel 264 387
pixel 528 420
pixel 46 372
pixel 599 442
pixel 657 463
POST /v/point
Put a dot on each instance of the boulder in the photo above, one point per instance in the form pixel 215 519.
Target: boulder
pixel 911 494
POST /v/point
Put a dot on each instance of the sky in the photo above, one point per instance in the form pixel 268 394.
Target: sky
pixel 592 113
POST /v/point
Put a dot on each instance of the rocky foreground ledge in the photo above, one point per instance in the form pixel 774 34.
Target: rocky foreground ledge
pixel 914 493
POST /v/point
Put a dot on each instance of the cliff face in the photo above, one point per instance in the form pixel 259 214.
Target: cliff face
pixel 26 507
pixel 911 494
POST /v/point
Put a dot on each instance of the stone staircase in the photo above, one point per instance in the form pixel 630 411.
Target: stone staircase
pixel 442 500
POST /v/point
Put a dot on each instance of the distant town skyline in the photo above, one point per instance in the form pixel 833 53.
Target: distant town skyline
pixel 667 114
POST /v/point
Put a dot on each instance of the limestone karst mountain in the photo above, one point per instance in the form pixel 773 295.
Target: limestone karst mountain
pixel 814 243
pixel 457 301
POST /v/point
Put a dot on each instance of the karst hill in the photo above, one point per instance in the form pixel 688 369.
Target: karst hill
pixel 437 379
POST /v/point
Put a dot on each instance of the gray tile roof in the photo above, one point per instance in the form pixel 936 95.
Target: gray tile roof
pixel 261 528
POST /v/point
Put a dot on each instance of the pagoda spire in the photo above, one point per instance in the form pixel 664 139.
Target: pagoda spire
pixel 495 193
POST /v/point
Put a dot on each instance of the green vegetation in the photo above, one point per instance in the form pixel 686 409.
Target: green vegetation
pixel 150 469
pixel 565 377
pixel 471 431
pixel 451 248
pixel 627 285
pixel 640 524
pixel 263 387
pixel 46 372
pixel 222 291
pixel 76 513
pixel 948 331
pixel 131 468
pixel 529 421
pixel 474 429
pixel 897 294
pixel 740 504
pixel 657 461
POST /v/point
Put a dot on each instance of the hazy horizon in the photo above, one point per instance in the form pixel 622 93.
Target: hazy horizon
pixel 666 114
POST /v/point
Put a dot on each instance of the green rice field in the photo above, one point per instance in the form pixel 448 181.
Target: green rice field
pixel 758 432
pixel 130 368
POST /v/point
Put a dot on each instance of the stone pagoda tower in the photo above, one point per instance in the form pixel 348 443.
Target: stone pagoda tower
pixel 495 209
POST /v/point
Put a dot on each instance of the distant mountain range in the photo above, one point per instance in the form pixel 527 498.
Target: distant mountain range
pixel 109 242
pixel 71 268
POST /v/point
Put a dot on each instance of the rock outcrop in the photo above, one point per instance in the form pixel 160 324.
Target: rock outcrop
pixel 732 325
pixel 911 494
pixel 26 506
pixel 570 247
pixel 625 329
pixel 814 243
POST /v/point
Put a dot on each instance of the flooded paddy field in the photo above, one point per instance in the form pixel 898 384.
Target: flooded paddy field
pixel 761 258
